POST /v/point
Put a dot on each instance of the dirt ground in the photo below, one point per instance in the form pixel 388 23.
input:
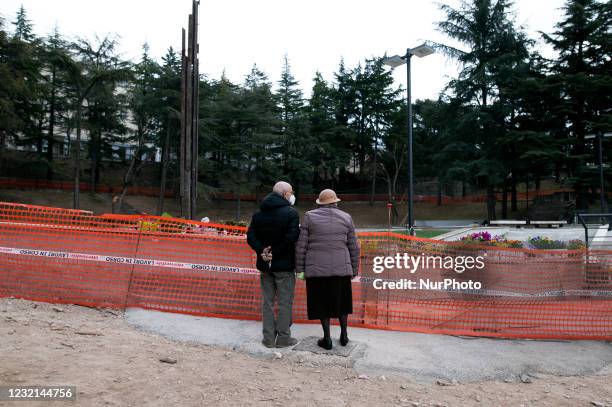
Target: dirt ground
pixel 113 364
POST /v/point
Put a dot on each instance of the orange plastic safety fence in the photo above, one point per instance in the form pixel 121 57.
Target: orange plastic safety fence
pixel 25 183
pixel 66 256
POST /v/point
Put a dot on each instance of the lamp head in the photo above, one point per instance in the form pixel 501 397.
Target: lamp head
pixel 422 50
pixel 394 61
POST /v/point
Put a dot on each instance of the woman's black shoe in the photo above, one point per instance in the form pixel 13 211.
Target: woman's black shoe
pixel 325 343
pixel 344 339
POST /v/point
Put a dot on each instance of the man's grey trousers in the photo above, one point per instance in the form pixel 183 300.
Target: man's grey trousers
pixel 282 285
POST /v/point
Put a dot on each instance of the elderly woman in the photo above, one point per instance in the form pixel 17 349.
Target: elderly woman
pixel 328 253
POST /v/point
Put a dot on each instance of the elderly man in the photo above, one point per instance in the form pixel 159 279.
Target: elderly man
pixel 273 231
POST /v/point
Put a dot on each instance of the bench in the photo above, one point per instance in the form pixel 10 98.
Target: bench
pixel 548 223
pixel 516 223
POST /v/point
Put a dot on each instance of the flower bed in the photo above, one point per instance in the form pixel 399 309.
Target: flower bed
pixel 536 242
pixel 485 238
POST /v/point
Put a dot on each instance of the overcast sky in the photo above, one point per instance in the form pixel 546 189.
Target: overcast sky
pixel 314 34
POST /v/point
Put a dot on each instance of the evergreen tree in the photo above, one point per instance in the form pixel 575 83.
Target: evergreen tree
pixel 583 75
pixel 56 62
pixel 145 107
pixel 486 28
pixel 329 149
pixel 376 101
pixel 22 54
pixel 394 152
pixel 293 130
pixel 9 90
pixel 95 79
pixel 247 146
pixel 531 146
pixel 345 102
pixel 168 90
pixel 23 26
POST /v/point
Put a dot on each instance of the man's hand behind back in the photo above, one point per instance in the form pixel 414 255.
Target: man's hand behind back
pixel 266 254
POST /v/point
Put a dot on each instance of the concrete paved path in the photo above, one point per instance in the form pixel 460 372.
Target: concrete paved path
pixel 421 357
pixel 602 239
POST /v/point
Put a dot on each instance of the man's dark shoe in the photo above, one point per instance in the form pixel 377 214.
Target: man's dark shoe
pixel 325 343
pixel 267 343
pixel 285 342
pixel 344 339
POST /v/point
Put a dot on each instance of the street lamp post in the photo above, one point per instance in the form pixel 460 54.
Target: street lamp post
pixel 599 137
pixel 395 61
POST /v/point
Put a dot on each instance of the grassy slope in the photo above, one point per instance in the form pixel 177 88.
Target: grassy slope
pixel 363 214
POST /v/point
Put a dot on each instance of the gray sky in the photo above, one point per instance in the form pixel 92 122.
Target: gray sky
pixel 314 34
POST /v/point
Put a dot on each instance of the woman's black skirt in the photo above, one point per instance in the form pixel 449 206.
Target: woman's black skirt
pixel 329 297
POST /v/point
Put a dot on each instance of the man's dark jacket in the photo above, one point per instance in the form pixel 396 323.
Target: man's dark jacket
pixel 277 224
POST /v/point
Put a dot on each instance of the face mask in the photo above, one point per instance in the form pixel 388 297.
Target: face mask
pixel 292 200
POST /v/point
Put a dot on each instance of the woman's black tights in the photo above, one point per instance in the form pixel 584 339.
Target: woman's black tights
pixel 343 323
pixel 325 325
pixel 343 335
pixel 326 341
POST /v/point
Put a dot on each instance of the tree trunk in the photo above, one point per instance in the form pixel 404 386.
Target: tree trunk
pixel 94 162
pixel 2 142
pixel 127 180
pixel 162 183
pixel 513 185
pixel 77 156
pixel 527 193
pixel 395 177
pixel 505 200
pixel 361 167
pixel 50 139
pixel 39 137
pixel 490 200
pixel 374 168
pixel 130 175
pixel 238 207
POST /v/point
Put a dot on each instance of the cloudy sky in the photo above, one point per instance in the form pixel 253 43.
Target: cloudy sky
pixel 314 34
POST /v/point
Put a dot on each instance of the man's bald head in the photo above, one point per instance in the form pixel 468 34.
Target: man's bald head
pixel 282 188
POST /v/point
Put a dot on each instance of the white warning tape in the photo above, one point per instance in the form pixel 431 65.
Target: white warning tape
pixel 241 270
pixel 127 260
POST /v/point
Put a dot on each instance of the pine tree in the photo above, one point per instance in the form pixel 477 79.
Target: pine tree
pixel 345 106
pixel 374 105
pixel 168 90
pixel 23 26
pixel 293 130
pixel 56 64
pixel 247 145
pixel 582 74
pixel 95 78
pixel 9 89
pixel 145 106
pixel 486 28
pixel 25 65
pixel 328 151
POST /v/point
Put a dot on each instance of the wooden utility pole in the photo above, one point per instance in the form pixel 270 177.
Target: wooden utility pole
pixel 190 121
